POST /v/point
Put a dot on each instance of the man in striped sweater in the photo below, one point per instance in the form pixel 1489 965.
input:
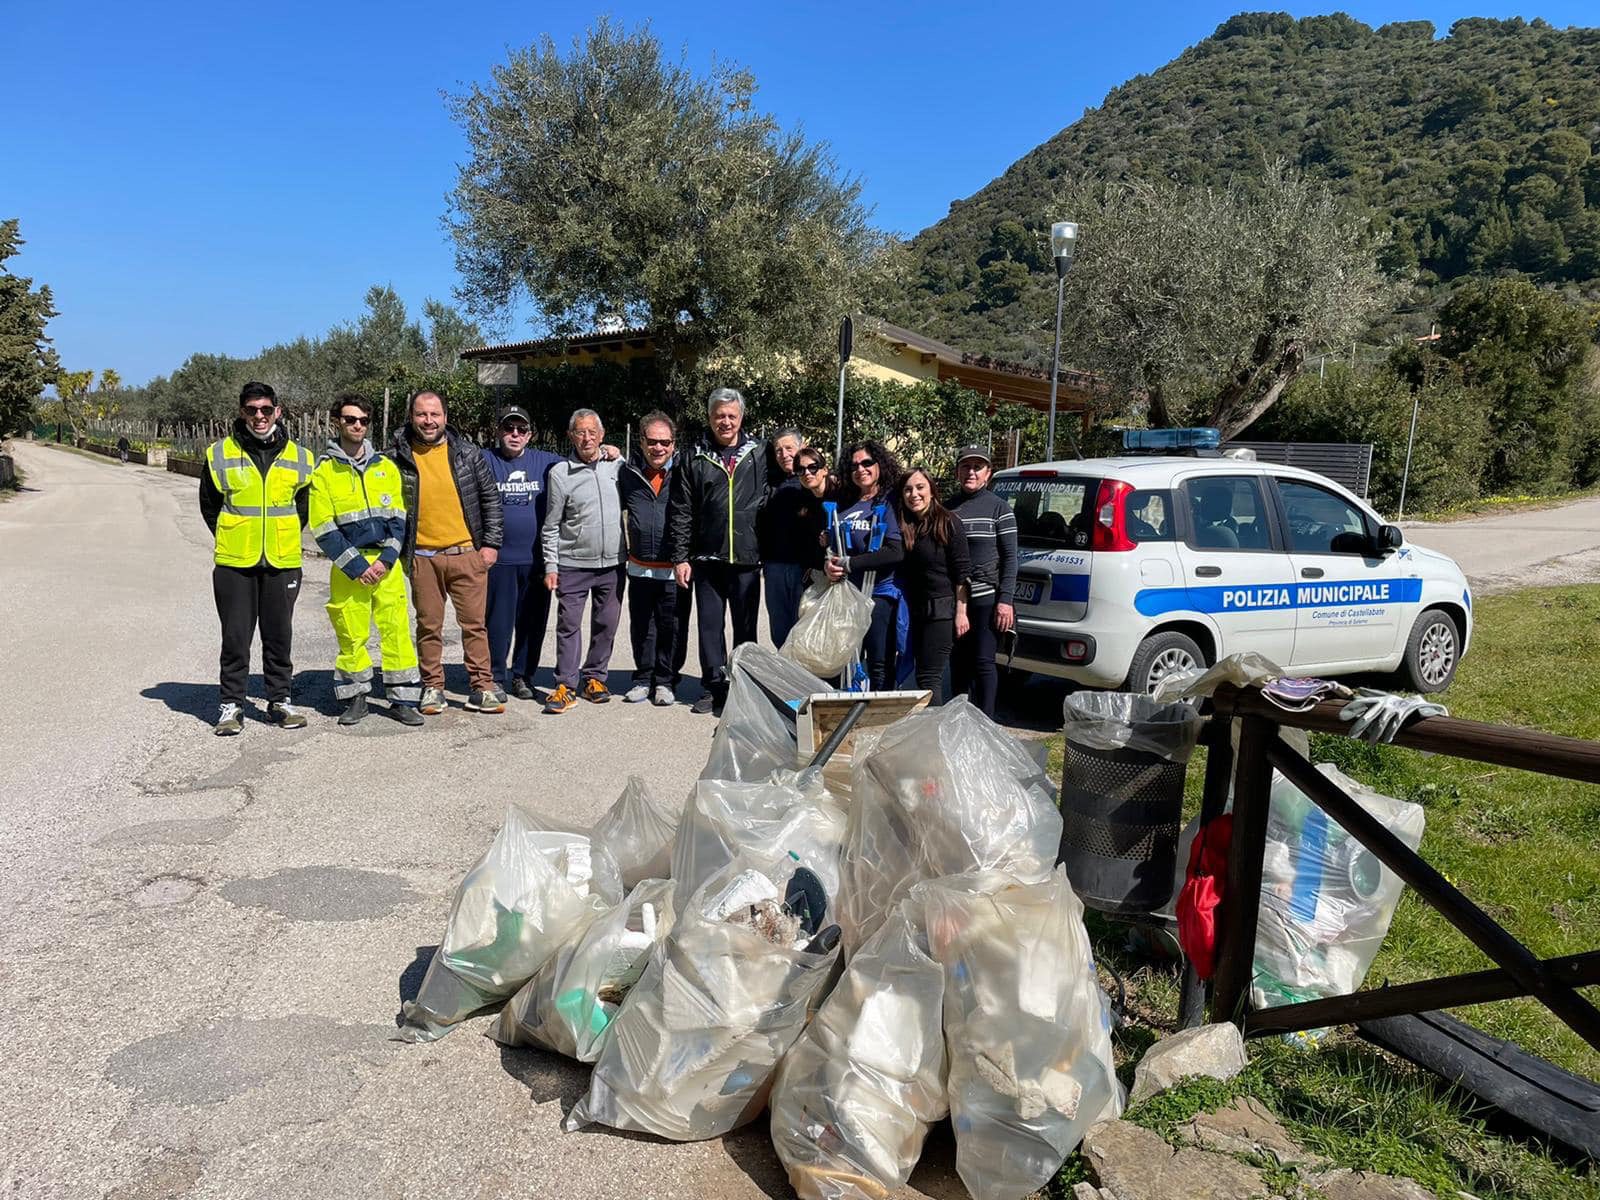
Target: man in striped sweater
pixel 992 545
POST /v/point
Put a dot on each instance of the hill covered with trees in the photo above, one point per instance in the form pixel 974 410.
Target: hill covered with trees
pixel 1471 154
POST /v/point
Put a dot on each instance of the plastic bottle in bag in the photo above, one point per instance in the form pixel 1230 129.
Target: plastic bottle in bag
pixel 725 994
pixel 853 1100
pixel 572 999
pixel 534 888
pixel 1027 1027
pixel 941 792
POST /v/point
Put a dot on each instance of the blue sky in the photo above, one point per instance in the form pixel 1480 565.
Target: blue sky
pixel 220 177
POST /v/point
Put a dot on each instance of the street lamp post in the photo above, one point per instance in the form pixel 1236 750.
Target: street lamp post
pixel 1063 241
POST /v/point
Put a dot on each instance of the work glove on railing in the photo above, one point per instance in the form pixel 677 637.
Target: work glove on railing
pixel 1378 716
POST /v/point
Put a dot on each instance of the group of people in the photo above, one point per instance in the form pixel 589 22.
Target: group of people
pixel 504 530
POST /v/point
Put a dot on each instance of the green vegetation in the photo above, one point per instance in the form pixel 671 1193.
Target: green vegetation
pixel 1203 302
pixel 612 183
pixel 384 347
pixel 1525 847
pixel 1471 153
pixel 27 363
pixel 1506 403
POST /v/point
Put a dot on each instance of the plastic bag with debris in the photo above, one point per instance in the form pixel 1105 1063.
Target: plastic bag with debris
pixel 1246 669
pixel 1326 900
pixel 531 891
pixel 723 820
pixel 637 833
pixel 726 993
pixel 756 735
pixel 833 619
pixel 1027 1026
pixel 1109 721
pixel 571 1001
pixel 941 792
pixel 852 1102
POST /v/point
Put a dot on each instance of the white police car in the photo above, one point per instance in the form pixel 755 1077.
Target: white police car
pixel 1136 566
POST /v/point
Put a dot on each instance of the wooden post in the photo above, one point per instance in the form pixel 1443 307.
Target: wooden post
pixel 1218 740
pixel 1241 901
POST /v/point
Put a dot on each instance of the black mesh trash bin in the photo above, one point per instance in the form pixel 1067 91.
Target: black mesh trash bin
pixel 1122 797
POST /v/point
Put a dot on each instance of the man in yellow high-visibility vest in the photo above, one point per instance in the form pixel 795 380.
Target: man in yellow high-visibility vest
pixel 253 498
pixel 358 516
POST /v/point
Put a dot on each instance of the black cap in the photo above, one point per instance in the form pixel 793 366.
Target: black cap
pixel 967 452
pixel 521 414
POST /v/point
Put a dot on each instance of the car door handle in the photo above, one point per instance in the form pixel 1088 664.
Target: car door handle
pixel 1208 572
pixel 1311 572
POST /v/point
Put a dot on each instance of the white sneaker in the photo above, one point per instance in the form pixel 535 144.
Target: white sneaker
pixel 637 694
pixel 230 720
pixel 663 697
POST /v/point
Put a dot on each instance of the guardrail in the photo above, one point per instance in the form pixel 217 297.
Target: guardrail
pixel 1517 972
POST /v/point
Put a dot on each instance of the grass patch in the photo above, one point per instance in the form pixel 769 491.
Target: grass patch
pixel 1491 505
pixel 1523 846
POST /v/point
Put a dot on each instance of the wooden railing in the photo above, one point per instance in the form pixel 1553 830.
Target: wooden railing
pixel 1518 971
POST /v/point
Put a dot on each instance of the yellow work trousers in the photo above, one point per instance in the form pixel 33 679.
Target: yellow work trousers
pixel 354 608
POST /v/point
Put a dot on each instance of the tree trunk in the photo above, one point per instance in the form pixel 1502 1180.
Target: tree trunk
pixel 1256 386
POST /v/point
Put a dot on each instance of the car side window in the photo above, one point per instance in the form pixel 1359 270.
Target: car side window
pixel 1150 515
pixel 1226 512
pixel 1321 522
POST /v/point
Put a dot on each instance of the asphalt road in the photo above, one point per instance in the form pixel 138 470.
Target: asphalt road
pixel 1537 548
pixel 207 939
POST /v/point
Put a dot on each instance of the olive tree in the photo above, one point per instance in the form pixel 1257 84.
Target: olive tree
pixel 612 184
pixel 1203 304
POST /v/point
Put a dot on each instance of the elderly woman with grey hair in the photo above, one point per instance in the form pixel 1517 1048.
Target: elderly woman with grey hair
pixel 718 492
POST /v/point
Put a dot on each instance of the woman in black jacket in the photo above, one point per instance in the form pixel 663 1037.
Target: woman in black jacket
pixel 933 575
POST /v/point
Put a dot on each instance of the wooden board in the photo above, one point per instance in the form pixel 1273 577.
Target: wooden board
pixel 821 713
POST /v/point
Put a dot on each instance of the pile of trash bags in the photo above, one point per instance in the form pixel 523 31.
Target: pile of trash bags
pixel 863 962
pixel 863 968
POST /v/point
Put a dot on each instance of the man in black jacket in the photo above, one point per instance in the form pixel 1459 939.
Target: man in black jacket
pixel 712 537
pixel 991 530
pixel 658 609
pixel 454 527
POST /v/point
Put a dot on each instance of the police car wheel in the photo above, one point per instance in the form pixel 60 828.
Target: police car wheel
pixel 1433 652
pixel 1158 656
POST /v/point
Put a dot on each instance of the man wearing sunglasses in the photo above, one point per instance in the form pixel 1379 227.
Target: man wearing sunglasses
pixel 519 603
pixel 358 517
pixel 658 609
pixel 253 499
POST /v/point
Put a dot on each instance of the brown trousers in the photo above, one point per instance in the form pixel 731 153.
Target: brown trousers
pixel 465 578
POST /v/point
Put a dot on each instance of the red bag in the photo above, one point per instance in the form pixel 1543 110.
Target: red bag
pixel 1202 893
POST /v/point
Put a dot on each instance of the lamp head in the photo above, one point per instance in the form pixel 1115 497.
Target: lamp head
pixel 1063 239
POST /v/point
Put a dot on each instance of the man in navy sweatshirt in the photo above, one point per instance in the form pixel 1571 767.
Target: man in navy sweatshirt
pixel 519 603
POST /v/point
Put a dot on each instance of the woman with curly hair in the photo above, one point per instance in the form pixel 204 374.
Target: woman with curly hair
pixel 869 527
pixel 934 577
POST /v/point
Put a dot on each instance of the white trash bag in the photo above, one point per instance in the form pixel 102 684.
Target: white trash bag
pixel 756 735
pixel 941 792
pixel 853 1100
pixel 723 820
pixel 530 892
pixel 833 619
pixel 571 1001
pixel 1027 1027
pixel 726 993
pixel 637 833
pixel 1326 900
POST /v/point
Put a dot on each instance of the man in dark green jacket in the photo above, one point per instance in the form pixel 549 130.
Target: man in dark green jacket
pixel 712 540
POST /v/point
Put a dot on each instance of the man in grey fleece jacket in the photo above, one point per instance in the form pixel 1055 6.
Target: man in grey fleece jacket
pixel 583 552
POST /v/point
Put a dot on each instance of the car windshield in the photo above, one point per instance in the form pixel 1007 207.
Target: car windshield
pixel 1051 510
